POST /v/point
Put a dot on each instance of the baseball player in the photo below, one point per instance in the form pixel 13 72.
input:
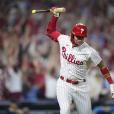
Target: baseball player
pixel 75 54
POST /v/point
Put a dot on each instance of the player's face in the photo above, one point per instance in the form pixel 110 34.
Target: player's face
pixel 77 40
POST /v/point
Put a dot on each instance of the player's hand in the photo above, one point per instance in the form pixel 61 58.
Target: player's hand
pixel 54 11
pixel 112 90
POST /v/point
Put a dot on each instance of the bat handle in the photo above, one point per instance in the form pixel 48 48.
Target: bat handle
pixel 40 11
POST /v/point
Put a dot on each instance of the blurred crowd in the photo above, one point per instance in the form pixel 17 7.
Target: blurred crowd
pixel 29 60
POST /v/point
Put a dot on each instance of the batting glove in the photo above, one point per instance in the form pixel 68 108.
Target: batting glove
pixel 54 11
pixel 112 90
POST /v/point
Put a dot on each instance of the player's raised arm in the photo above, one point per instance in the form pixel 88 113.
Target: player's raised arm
pixel 51 28
pixel 105 71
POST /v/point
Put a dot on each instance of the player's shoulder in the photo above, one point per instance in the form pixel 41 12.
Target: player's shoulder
pixel 91 49
pixel 88 48
pixel 63 37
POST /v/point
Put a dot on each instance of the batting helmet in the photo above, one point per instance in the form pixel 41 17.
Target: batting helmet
pixel 79 30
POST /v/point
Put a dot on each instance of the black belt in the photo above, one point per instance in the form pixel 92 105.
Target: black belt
pixel 72 81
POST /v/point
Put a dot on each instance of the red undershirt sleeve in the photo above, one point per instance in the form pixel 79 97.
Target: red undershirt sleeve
pixel 51 29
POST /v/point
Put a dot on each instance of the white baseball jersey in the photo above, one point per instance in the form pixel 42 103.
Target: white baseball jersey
pixel 74 65
pixel 74 60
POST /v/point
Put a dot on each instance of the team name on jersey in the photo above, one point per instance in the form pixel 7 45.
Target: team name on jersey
pixel 70 57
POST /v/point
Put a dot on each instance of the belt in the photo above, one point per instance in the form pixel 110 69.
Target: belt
pixel 72 81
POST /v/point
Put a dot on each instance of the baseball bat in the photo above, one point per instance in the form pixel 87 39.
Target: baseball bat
pixel 58 10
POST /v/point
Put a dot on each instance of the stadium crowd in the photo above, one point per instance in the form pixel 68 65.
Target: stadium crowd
pixel 29 60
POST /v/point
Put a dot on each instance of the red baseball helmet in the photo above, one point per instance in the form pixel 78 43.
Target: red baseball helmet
pixel 79 29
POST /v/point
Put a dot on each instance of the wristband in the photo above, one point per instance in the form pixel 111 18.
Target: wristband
pixel 104 70
pixel 106 74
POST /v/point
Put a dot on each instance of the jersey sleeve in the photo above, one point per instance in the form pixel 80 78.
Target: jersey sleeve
pixel 51 29
pixel 95 57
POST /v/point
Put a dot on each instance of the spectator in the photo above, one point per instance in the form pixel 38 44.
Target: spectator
pixel 14 83
pixel 50 82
